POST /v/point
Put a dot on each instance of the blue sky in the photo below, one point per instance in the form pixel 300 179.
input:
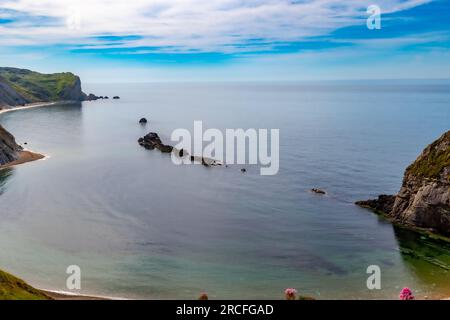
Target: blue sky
pixel 225 40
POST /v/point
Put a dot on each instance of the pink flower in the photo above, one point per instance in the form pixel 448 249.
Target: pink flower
pixel 406 294
pixel 290 293
pixel 203 296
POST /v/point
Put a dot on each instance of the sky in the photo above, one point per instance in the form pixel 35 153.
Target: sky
pixel 227 40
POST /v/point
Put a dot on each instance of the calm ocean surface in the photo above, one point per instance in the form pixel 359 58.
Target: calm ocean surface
pixel 141 227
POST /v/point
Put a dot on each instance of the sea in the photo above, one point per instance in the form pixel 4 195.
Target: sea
pixel 140 227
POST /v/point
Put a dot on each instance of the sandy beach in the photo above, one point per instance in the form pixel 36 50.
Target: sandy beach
pixel 68 296
pixel 27 106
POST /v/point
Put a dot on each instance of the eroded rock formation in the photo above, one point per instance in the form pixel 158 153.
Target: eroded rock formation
pixel 424 198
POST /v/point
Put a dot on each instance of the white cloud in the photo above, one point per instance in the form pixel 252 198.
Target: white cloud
pixel 205 25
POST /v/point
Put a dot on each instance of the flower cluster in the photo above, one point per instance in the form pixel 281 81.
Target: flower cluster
pixel 406 294
pixel 290 293
pixel 203 296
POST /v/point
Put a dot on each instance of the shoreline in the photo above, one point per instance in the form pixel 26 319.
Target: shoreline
pixel 29 156
pixel 29 106
pixel 25 155
pixel 63 295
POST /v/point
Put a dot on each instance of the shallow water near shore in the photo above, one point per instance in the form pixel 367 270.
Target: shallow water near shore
pixel 141 227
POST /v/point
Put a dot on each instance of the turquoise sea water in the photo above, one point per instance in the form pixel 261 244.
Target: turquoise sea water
pixel 141 227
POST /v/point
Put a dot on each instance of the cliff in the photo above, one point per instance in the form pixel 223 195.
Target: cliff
pixel 12 288
pixel 424 198
pixel 9 149
pixel 21 86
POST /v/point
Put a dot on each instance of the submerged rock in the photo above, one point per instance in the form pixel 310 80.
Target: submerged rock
pixel 424 198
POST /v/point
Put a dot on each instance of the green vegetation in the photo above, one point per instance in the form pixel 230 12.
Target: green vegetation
pixel 12 288
pixel 432 165
pixel 35 86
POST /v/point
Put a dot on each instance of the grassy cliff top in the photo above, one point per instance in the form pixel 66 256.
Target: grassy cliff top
pixel 433 160
pixel 35 86
pixel 12 288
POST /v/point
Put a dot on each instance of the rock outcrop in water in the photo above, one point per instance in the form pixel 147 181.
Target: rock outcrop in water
pixel 9 149
pixel 152 141
pixel 424 198
pixel 318 191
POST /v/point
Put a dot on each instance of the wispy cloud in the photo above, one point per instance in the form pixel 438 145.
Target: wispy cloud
pixel 180 26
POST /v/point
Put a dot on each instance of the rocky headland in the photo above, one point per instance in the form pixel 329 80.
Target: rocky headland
pixel 22 88
pixel 423 202
pixel 19 87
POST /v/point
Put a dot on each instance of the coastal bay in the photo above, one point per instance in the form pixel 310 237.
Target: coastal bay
pixel 111 206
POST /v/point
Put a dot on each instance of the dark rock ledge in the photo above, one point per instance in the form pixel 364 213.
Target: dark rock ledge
pixel 152 141
pixel 423 202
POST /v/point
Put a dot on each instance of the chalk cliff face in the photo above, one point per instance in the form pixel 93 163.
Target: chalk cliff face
pixel 424 198
pixel 21 86
pixel 8 147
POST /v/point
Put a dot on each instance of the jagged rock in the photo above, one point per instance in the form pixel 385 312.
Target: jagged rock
pixel 152 141
pixel 164 148
pixel 91 97
pixel 318 191
pixel 424 198
pixel 9 149
pixel 384 203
